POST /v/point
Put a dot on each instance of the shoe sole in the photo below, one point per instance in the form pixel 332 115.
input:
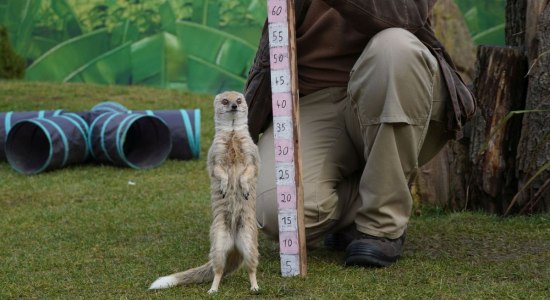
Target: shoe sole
pixel 367 258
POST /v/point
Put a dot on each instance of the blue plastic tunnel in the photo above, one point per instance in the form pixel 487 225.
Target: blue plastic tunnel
pixel 109 106
pixel 33 142
pixel 42 144
pixel 8 119
pixel 132 140
pixel 185 131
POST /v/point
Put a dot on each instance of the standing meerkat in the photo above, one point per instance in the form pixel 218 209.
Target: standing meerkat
pixel 233 163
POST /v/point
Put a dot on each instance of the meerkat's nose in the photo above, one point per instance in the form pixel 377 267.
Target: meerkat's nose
pixel 234 106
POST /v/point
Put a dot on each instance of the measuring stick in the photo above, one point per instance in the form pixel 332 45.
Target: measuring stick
pixel 284 86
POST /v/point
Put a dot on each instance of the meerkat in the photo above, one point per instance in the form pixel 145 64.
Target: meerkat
pixel 233 163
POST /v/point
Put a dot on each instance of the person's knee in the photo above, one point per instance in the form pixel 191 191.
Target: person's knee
pixel 399 48
pixel 394 40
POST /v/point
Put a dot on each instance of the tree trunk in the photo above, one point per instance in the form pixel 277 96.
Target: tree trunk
pixel 534 146
pixel 533 12
pixel 500 87
pixel 515 23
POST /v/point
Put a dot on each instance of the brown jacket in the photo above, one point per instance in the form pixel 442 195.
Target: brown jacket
pixel 368 17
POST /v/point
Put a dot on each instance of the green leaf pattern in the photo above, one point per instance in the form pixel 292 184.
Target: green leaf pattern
pixel 197 45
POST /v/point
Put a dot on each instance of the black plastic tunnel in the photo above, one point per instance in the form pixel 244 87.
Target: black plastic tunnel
pixel 132 140
pixel 8 120
pixel 42 144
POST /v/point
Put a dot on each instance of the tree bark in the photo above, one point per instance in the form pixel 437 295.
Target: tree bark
pixel 500 87
pixel 533 12
pixel 515 23
pixel 534 146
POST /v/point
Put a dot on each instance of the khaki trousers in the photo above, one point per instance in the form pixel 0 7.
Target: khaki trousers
pixel 361 145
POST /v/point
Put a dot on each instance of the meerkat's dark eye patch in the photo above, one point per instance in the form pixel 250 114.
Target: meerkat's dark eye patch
pixel 225 101
pixel 239 101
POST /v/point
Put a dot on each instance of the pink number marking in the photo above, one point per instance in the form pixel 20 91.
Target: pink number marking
pixel 279 58
pixel 288 242
pixel 286 196
pixel 284 150
pixel 276 11
pixel 282 104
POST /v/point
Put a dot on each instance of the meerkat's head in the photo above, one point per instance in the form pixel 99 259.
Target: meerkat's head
pixel 230 110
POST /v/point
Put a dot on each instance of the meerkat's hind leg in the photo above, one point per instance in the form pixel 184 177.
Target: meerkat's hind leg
pixel 253 283
pixel 247 245
pixel 222 243
pixel 215 283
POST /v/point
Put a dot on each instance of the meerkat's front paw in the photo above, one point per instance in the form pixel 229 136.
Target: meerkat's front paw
pixel 255 289
pixel 245 187
pixel 212 291
pixel 223 187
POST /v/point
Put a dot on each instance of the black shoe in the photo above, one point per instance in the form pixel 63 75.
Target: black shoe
pixel 371 251
pixel 340 240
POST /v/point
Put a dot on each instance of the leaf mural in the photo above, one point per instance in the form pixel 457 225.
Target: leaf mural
pixel 71 26
pixel 206 77
pixel 206 12
pixel 3 8
pixel 40 45
pixel 124 32
pixel 137 42
pixel 257 9
pixel 175 62
pixel 485 19
pixel 148 61
pixel 490 36
pixel 19 19
pixel 229 52
pixel 112 67
pixel 167 18
pixel 59 62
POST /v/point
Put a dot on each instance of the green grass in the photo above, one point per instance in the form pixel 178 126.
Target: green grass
pixel 84 233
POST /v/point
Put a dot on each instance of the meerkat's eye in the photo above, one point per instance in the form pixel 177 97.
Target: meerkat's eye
pixel 225 101
pixel 239 101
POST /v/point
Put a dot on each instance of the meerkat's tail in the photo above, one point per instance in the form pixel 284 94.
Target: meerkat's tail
pixel 204 273
pixel 200 274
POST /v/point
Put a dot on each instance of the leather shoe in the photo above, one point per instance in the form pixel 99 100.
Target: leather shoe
pixel 340 240
pixel 372 251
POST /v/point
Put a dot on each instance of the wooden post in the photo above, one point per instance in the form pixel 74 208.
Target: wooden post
pixel 296 123
pixel 284 87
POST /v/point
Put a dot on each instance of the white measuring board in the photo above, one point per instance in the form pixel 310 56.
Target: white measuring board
pixel 284 101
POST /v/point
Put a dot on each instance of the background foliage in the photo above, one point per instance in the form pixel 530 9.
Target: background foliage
pixel 485 19
pixel 12 66
pixel 199 45
pixel 153 42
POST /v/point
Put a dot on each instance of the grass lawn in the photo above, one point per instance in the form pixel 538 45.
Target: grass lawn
pixel 84 232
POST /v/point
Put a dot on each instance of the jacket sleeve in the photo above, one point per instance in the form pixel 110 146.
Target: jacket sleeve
pixel 372 16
